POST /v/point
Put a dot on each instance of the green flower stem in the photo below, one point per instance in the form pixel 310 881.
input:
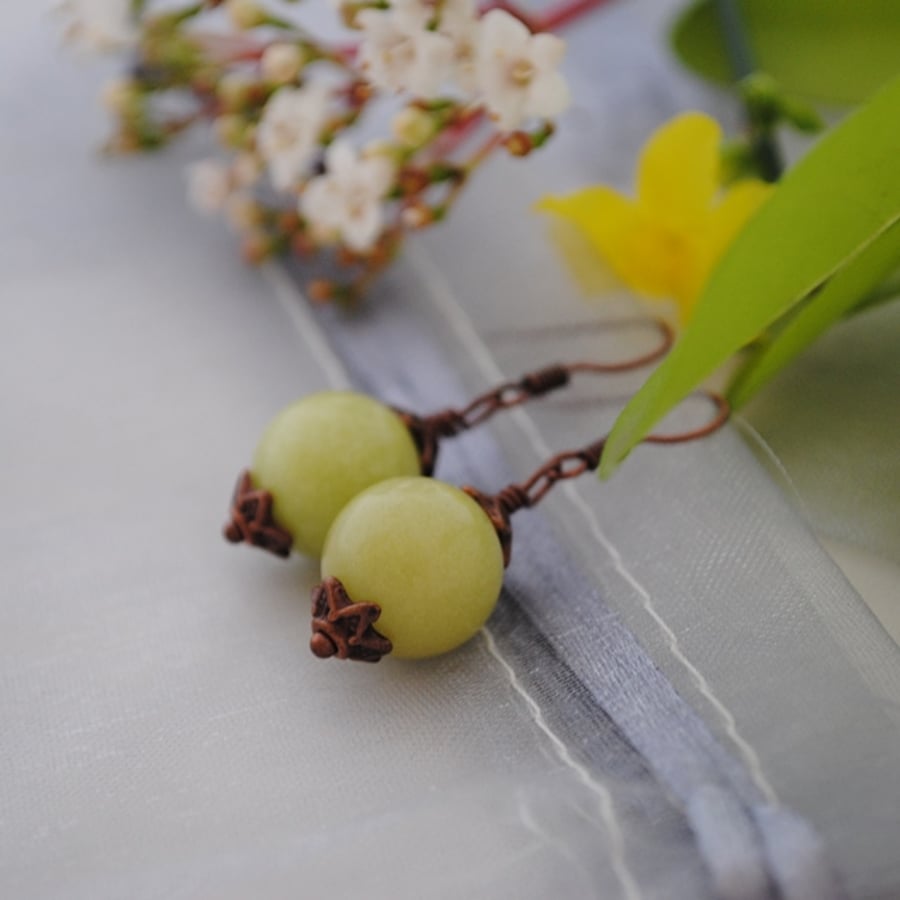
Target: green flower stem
pixel 180 16
pixel 737 46
pixel 743 65
pixel 278 22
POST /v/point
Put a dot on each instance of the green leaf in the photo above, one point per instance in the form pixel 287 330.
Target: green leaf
pixel 831 50
pixel 829 210
pixel 809 320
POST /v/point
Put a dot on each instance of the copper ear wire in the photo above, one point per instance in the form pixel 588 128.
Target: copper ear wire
pixel 571 464
pixel 428 431
pixel 345 627
pixel 252 517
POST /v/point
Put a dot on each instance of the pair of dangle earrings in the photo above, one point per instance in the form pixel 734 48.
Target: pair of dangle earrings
pixel 341 476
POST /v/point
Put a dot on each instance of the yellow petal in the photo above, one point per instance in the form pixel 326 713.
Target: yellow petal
pixel 611 223
pixel 648 257
pixel 668 262
pixel 591 273
pixel 600 214
pixel 737 205
pixel 678 171
pixel 593 209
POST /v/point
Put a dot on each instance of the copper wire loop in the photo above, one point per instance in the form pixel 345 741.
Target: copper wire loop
pixel 427 431
pixel 573 463
pixel 722 412
pixel 665 330
pixel 636 362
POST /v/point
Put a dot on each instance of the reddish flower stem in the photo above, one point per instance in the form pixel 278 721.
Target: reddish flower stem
pixel 484 151
pixel 566 13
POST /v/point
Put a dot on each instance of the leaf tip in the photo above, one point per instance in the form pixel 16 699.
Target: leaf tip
pixel 614 454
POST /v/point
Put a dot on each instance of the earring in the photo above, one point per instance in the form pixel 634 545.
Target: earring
pixel 320 452
pixel 425 560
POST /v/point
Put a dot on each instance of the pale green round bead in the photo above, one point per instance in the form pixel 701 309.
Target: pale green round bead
pixel 427 554
pixel 320 452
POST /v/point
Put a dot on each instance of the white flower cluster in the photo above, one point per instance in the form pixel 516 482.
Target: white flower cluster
pixel 417 46
pixel 426 47
pixel 344 203
pixel 277 117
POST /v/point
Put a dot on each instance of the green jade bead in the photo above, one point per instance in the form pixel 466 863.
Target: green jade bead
pixel 427 554
pixel 319 453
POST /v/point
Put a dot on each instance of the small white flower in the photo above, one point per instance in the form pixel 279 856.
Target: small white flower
pixel 517 71
pixel 289 131
pixel 466 37
pixel 458 21
pixel 99 25
pixel 209 185
pixel 345 202
pixel 281 63
pixel 398 53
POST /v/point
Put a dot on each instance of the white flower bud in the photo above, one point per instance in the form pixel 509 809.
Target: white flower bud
pixel 379 148
pixel 99 25
pixel 245 14
pixel 229 129
pixel 417 216
pixel 413 126
pixel 281 63
pixel 209 185
pixel 242 211
pixel 119 96
pixel 233 90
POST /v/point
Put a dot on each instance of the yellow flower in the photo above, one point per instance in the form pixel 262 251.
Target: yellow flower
pixel 665 242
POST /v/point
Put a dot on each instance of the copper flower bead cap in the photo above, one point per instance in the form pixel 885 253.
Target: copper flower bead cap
pixel 343 628
pixel 251 519
pixel 423 552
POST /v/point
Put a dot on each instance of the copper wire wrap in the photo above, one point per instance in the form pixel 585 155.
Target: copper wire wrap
pixel 571 464
pixel 428 431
